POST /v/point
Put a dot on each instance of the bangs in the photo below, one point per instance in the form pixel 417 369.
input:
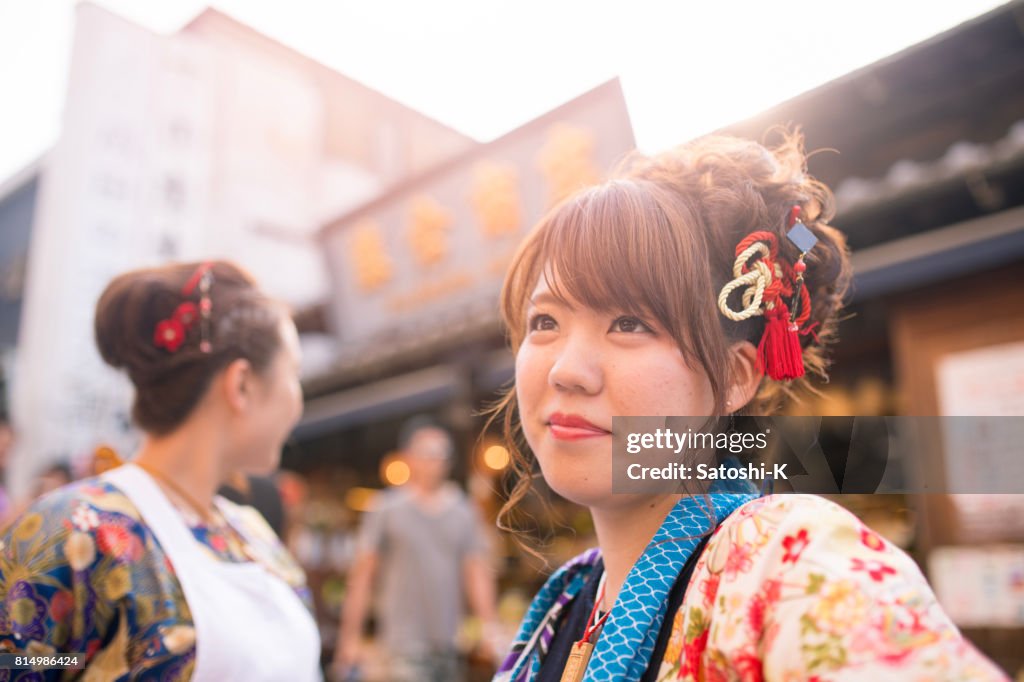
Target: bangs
pixel 611 248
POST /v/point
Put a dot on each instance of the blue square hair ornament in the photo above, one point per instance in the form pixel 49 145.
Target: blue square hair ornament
pixel 802 237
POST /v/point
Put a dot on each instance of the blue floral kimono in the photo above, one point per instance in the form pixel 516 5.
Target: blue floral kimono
pixel 80 572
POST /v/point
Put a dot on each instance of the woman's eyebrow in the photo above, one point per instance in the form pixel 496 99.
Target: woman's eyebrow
pixel 547 298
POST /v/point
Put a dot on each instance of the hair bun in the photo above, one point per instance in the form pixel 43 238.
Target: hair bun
pixel 121 319
pixel 168 383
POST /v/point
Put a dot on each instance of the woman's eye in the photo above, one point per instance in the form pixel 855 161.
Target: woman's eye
pixel 630 325
pixel 541 322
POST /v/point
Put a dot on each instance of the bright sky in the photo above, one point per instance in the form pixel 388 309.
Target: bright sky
pixel 485 67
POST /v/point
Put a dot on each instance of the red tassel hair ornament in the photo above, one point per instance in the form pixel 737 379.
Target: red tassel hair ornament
pixel 768 281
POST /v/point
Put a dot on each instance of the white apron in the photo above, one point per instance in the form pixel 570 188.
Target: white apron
pixel 250 625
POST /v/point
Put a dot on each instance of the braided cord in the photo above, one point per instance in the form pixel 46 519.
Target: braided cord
pixel 758 277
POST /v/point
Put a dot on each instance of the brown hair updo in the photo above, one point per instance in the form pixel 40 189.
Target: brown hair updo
pixel 659 238
pixel 244 323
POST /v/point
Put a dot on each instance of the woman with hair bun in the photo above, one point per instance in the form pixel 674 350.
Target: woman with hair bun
pixel 705 282
pixel 143 569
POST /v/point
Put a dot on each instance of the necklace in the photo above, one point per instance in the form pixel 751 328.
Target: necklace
pixel 579 656
pixel 204 512
pixel 218 522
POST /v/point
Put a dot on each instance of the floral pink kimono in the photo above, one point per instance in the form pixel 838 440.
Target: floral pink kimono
pixel 794 587
pixel 788 588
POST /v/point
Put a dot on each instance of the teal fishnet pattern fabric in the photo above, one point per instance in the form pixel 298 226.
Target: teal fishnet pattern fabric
pixel 627 641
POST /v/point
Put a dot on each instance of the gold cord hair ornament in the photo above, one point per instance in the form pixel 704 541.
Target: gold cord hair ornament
pixel 756 276
pixel 767 280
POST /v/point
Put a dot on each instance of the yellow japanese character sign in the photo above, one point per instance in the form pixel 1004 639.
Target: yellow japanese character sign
pixel 428 230
pixel 369 257
pixel 495 198
pixel 567 160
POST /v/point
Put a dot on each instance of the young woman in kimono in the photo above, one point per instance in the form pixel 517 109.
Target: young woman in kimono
pixel 674 289
pixel 143 569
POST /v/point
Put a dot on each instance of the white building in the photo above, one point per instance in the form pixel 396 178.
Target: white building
pixel 212 142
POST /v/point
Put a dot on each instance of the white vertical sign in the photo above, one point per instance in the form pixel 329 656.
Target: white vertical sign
pixel 124 187
pixel 984 452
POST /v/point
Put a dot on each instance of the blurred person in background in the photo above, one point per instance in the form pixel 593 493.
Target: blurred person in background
pixel 6 439
pixel 418 549
pixel 294 492
pixel 689 284
pixel 104 458
pixel 258 492
pixel 143 569
pixel 54 477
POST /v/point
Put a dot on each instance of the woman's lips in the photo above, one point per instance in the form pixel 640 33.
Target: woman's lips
pixel 573 427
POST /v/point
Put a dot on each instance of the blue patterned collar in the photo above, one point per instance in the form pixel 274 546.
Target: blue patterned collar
pixel 624 649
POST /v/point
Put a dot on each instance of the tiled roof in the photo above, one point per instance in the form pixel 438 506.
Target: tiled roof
pixel 906 176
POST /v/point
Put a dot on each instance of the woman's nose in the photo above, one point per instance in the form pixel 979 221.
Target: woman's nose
pixel 577 367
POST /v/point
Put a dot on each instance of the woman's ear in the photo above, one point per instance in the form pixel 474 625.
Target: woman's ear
pixel 237 384
pixel 745 378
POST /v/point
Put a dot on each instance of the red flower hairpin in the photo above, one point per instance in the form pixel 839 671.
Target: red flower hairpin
pixel 170 333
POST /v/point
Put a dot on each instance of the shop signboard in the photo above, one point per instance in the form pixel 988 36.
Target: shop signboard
pixel 980 586
pixel 986 383
pixel 426 259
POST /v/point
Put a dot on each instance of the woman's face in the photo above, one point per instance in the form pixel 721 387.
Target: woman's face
pixel 576 369
pixel 276 406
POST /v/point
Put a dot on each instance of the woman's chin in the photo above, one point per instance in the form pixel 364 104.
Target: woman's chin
pixel 581 472
pixel 588 489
